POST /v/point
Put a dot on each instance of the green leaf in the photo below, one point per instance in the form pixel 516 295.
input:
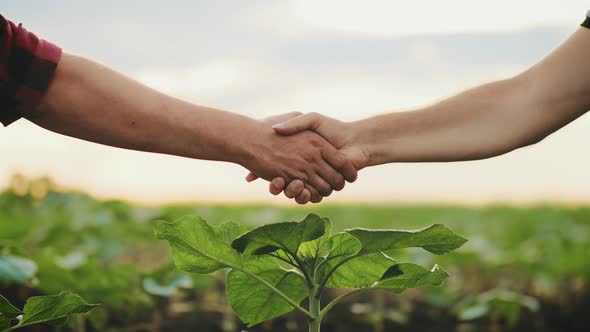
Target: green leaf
pixel 17 269
pixel 7 310
pixel 406 275
pixel 229 231
pixel 252 301
pixel 319 247
pixel 343 247
pixel 4 323
pixel 52 308
pixel 361 272
pixel 58 322
pixel 499 304
pixel 287 236
pixel 196 246
pixel 437 239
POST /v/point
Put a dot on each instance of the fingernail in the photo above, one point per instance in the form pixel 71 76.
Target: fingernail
pixel 279 126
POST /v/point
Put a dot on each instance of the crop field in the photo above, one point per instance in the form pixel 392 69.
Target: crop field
pixel 522 269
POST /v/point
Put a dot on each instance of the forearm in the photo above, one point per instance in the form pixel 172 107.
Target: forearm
pixel 94 103
pixel 491 119
pixel 471 125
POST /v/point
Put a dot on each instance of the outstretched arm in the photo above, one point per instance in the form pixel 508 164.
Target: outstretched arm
pixel 479 123
pixel 89 101
pixel 482 122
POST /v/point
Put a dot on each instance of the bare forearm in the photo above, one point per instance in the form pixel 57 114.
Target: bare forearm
pixel 94 103
pixel 489 120
pixel 471 125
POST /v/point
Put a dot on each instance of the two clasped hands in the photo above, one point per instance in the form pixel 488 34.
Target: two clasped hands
pixel 332 157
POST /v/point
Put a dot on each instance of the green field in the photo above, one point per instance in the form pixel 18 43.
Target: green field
pixel 523 269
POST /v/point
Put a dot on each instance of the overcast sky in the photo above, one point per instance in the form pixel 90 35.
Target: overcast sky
pixel 347 59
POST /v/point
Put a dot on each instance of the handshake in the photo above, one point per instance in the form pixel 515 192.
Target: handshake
pixel 308 156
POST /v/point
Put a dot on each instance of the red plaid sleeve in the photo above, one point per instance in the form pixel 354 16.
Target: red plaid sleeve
pixel 27 65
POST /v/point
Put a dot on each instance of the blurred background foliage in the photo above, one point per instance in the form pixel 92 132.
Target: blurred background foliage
pixel 523 269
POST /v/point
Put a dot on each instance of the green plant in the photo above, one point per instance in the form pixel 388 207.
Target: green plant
pixel 52 309
pixel 273 268
pixel 496 304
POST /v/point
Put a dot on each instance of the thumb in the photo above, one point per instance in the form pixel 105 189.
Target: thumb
pixel 298 124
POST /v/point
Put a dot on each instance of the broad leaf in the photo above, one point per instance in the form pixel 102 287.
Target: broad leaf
pixel 229 231
pixel 406 275
pixel 196 246
pixel 319 247
pixel 361 271
pixel 286 235
pixel 17 269
pixel 437 239
pixel 7 310
pixel 343 247
pixel 254 302
pixel 53 308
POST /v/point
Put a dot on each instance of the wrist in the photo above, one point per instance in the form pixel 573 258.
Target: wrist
pixel 364 139
pixel 249 145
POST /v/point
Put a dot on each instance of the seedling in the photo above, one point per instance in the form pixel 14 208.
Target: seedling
pixel 273 268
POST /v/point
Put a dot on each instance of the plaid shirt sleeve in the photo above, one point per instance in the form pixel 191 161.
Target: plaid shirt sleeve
pixel 27 65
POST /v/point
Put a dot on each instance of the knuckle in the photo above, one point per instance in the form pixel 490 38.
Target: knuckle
pixel 316 142
pixel 315 119
pixel 341 162
pixel 309 158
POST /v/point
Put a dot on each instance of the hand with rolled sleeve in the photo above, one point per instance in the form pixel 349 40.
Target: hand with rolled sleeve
pixel 77 97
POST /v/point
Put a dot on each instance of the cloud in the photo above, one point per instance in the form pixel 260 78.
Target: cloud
pixel 216 79
pixel 386 18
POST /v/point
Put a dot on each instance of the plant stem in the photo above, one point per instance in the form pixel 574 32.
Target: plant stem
pixel 278 292
pixel 314 308
pixel 338 299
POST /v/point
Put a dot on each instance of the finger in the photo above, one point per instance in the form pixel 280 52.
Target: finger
pixel 316 197
pixel 340 163
pixel 298 124
pixel 324 188
pixel 276 186
pixel 251 177
pixel 294 188
pixel 304 197
pixel 331 176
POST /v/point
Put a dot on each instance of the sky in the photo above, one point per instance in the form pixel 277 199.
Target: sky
pixel 346 59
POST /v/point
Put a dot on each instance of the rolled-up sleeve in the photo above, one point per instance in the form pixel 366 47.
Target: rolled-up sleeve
pixel 27 67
